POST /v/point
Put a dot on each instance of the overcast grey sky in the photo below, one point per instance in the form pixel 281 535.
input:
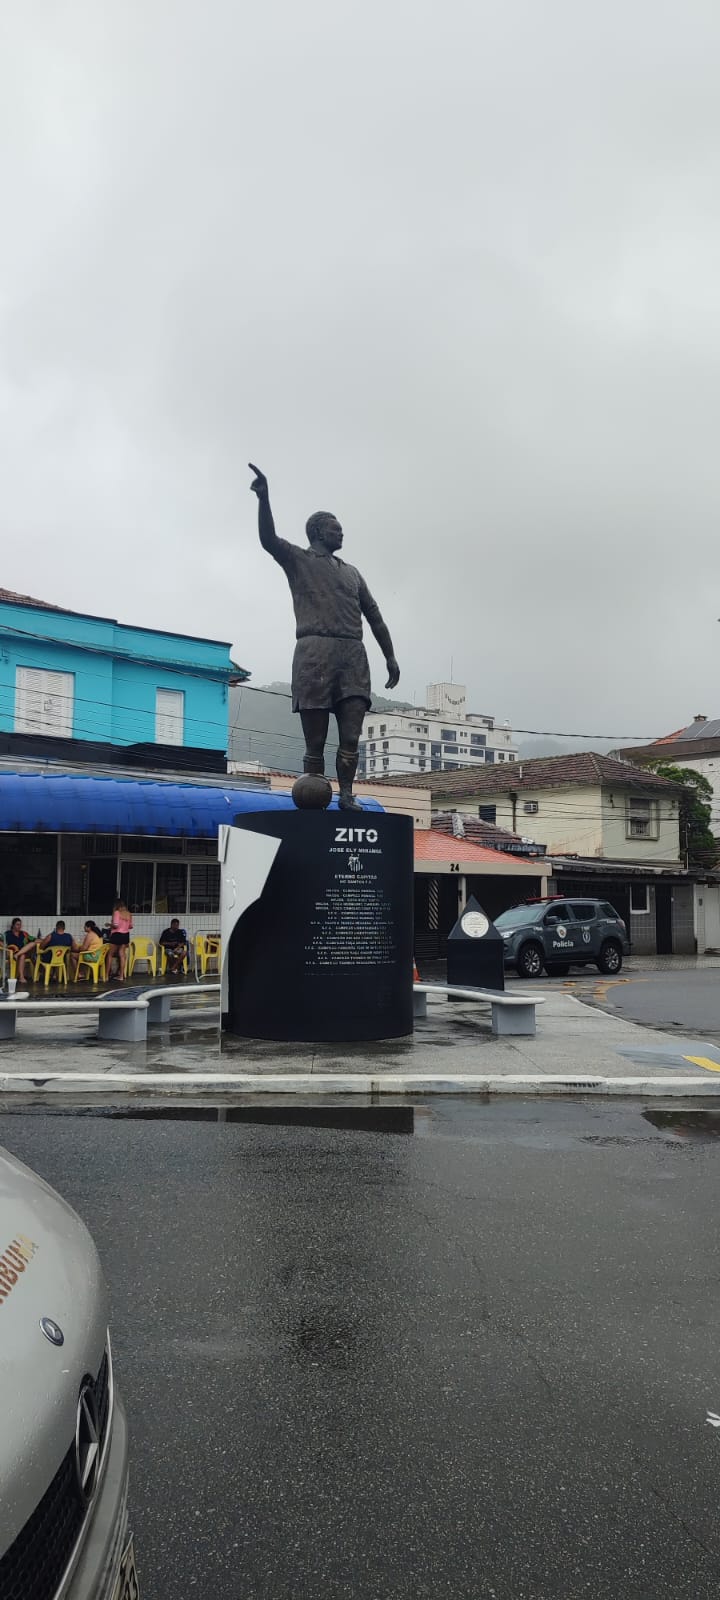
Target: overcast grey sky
pixel 449 270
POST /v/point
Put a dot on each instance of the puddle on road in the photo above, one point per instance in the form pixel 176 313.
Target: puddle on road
pixel 701 1123
pixel 561 1126
pixel 355 1119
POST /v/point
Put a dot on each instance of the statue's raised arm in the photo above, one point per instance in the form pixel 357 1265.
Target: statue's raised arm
pixel 266 525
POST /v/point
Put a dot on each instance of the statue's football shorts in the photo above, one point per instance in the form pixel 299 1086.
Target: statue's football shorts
pixel 326 671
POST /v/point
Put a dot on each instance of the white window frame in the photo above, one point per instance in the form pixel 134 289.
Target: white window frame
pixel 642 817
pixel 44 702
pixel 169 725
pixel 128 859
pixel 640 911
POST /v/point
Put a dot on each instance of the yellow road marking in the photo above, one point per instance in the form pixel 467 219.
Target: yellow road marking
pixel 704 1061
pixel 601 989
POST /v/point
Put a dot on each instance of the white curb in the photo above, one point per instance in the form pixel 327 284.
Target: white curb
pixel 169 1085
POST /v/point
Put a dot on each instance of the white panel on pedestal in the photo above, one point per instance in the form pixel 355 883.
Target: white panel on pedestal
pixel 245 862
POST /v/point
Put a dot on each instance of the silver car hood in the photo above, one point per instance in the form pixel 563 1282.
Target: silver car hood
pixel 49 1267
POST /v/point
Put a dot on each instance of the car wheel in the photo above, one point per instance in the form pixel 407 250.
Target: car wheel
pixel 559 969
pixel 610 957
pixel 530 961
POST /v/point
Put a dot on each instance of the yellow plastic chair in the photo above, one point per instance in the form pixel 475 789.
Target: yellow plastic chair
pixel 93 963
pixel 58 963
pixel 142 949
pixel 207 949
pixel 10 962
pixel 200 953
pixel 164 960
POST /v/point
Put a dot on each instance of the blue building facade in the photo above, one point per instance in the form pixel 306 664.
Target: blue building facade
pixel 67 675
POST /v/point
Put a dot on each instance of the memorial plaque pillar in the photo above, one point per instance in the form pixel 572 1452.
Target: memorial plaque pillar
pixel 320 948
pixel 475 951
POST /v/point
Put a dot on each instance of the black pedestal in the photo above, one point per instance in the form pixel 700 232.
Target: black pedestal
pixel 326 951
pixel 475 952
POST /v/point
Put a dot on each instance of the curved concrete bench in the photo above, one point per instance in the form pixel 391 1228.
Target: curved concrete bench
pixel 118 1017
pixel 122 1013
pixel 159 999
pixel 510 1013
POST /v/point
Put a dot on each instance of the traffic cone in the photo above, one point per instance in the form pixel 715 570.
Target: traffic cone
pixel 416 974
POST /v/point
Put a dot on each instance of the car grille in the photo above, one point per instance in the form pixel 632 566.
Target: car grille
pixel 34 1566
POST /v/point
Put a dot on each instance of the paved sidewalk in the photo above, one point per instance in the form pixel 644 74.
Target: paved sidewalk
pixel 578 1049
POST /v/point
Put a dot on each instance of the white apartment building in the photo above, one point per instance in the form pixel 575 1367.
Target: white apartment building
pixel 440 738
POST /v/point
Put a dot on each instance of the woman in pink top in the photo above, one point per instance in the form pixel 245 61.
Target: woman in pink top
pixel 120 936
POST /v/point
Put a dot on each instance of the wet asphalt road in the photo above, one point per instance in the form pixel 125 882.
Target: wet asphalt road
pixel 471 1360
pixel 683 1001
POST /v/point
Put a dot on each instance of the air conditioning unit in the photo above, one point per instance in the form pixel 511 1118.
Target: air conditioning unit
pixel 530 807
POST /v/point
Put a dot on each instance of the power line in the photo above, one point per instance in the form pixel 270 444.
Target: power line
pixel 225 673
pixel 550 811
pixel 109 705
pixel 390 807
pixel 553 810
pixel 419 714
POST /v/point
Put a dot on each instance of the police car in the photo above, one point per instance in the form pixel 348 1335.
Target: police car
pixel 559 934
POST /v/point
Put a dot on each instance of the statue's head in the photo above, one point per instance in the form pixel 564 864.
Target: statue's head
pixel 324 532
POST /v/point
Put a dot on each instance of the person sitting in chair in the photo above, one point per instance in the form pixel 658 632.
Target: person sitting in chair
pixel 174 941
pixel 15 938
pixel 58 939
pixel 92 948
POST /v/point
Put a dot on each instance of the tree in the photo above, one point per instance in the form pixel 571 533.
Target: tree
pixel 697 841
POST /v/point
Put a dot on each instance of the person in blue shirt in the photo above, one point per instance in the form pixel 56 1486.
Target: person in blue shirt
pixel 58 938
pixel 15 936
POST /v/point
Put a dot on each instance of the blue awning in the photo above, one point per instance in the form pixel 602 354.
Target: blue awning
pixel 36 802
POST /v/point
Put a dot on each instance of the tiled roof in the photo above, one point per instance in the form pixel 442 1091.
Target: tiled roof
pixel 27 600
pixel 586 770
pixel 487 834
pixel 431 845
